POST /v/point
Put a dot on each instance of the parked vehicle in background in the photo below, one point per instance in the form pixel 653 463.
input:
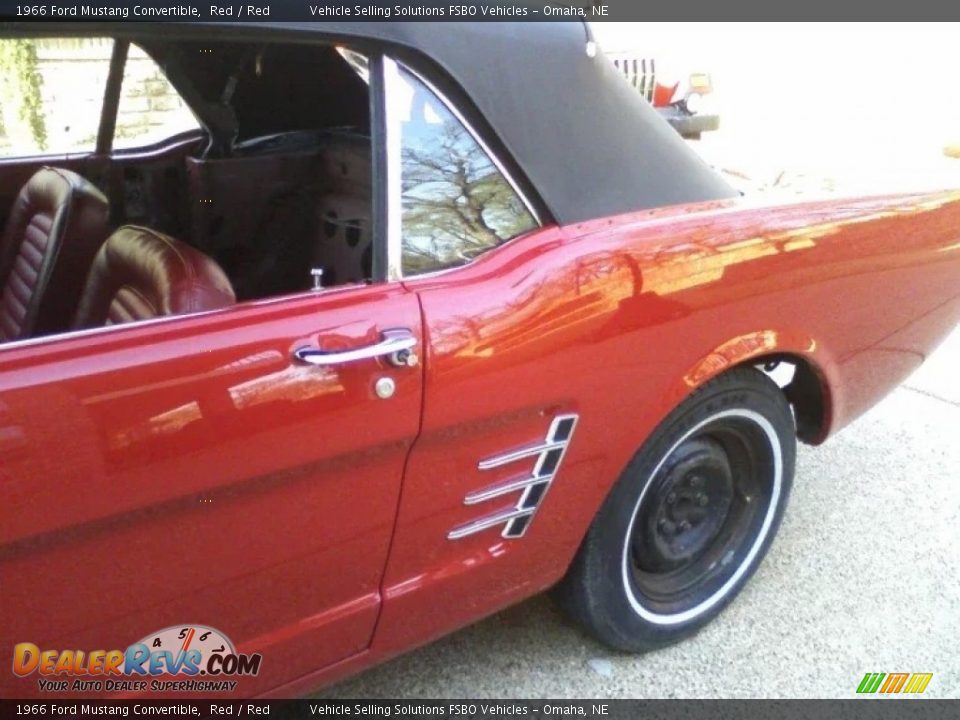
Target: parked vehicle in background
pixel 680 98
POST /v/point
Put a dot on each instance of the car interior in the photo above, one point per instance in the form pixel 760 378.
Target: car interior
pixel 273 185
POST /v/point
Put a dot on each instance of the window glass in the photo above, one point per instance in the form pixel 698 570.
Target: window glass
pixel 51 94
pixel 456 204
pixel 150 109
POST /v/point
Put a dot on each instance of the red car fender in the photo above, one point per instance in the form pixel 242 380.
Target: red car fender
pixel 618 320
pixel 625 317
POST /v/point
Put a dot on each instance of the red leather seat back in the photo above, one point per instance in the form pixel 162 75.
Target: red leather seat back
pixel 57 223
pixel 141 274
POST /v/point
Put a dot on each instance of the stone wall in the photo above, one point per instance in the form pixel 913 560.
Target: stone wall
pixel 73 73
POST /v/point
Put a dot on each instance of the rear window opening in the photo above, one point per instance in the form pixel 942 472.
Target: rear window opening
pixel 282 184
pixel 202 174
pixel 256 155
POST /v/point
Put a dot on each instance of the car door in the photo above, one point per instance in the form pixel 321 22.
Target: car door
pixel 200 470
pixel 497 419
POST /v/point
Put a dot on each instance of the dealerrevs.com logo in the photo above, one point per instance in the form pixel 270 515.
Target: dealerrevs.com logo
pixel 182 658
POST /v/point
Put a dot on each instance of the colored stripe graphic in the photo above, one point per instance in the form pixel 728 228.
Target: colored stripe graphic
pixel 918 683
pixel 894 683
pixel 870 682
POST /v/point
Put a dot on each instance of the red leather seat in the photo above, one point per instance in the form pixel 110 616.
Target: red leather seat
pixel 141 274
pixel 55 227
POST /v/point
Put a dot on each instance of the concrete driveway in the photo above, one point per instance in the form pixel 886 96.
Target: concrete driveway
pixel 863 577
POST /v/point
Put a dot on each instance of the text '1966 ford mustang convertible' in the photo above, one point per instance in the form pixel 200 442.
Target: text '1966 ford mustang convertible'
pixel 322 340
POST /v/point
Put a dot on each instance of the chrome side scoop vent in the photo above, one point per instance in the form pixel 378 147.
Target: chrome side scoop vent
pixel 549 455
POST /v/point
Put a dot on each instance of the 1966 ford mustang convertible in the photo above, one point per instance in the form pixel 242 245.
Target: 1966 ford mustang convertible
pixel 337 337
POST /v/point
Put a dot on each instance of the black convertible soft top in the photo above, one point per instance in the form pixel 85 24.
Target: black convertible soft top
pixel 588 144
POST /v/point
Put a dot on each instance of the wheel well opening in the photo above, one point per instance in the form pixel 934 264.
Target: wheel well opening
pixel 804 390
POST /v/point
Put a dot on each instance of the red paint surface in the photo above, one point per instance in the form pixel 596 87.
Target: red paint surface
pixel 190 469
pixel 112 440
pixel 663 94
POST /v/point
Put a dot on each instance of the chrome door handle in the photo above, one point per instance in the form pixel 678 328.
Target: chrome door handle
pixel 396 343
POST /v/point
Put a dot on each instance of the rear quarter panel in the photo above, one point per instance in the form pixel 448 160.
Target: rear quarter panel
pixel 862 289
pixel 619 320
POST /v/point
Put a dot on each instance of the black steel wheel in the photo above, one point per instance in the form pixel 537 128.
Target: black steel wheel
pixel 689 519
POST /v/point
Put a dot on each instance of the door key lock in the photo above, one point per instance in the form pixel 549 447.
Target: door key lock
pixel 404 358
pixel 385 388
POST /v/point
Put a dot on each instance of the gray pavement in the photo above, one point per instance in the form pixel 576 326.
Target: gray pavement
pixel 863 577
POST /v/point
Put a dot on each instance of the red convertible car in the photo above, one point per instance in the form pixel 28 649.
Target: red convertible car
pixel 404 325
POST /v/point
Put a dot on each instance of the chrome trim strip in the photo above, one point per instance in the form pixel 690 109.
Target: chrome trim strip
pixel 526 452
pixel 136 324
pixel 105 329
pixel 487 522
pixel 476 136
pixel 505 488
pixel 508 530
pixel 517 520
pixel 358 61
pixel 393 134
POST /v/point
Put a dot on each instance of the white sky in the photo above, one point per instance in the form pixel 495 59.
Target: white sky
pixel 883 96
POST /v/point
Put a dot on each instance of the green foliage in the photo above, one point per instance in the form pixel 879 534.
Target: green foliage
pixel 22 87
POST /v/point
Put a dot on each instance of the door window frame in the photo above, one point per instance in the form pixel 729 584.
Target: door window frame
pixel 111 96
pixel 386 96
pixel 390 85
